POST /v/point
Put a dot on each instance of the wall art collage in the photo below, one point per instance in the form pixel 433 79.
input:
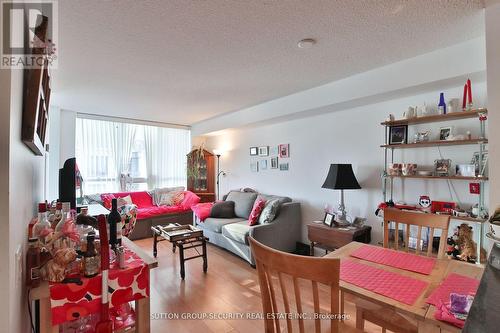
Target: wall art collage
pixel 269 158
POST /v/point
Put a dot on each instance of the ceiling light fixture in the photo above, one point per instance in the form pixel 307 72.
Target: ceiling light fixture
pixel 306 43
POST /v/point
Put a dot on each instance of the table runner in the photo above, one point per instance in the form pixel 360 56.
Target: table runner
pixel 398 287
pixel 69 301
pixel 454 283
pixel 407 261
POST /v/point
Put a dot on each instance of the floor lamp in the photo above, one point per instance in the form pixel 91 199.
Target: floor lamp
pixel 219 173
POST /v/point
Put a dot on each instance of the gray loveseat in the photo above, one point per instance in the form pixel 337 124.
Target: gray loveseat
pixel 232 233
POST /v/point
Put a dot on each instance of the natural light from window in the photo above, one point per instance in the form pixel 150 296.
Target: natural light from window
pixel 116 156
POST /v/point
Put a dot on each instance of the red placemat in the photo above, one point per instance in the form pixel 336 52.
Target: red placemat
pixel 454 283
pixel 397 259
pixel 401 288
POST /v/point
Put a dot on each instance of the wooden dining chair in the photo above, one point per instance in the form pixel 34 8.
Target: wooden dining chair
pixel 389 319
pixel 275 268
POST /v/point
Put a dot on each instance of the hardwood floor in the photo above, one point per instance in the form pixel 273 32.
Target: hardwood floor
pixel 229 287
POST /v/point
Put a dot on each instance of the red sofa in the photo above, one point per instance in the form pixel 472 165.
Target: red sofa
pixel 148 214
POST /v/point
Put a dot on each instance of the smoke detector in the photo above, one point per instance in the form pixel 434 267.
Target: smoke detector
pixel 306 43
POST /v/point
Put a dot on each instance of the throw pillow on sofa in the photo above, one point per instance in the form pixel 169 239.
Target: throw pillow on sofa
pixel 171 198
pixel 258 206
pixel 127 200
pixel 223 210
pixel 270 212
pixel 157 193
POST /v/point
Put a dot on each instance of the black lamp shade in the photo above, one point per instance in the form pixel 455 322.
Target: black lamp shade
pixel 341 177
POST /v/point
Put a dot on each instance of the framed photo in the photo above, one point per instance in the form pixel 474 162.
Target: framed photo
pixel 263 165
pixel 283 166
pixel 254 151
pixel 444 133
pixel 254 167
pixel 398 135
pixel 329 219
pixel 475 161
pixel 442 167
pixel 284 150
pixel 264 151
pixel 274 163
pixel 273 150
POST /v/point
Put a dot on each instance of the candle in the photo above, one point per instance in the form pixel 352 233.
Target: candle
pixel 464 101
pixel 469 86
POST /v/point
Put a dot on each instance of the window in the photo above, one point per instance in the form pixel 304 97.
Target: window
pixel 151 156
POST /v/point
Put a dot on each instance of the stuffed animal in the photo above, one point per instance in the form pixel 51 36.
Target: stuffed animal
pixel 452 249
pixel 467 246
pixel 55 269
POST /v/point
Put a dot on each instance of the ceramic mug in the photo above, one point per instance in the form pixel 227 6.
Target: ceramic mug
pixel 409 169
pixel 411 113
pixel 394 169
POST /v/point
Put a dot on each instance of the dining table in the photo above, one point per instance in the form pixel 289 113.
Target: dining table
pixel 420 312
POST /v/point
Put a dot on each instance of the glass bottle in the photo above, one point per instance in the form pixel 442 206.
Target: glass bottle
pixel 66 207
pixel 58 216
pixel 42 223
pixel 33 263
pixel 114 219
pixel 90 258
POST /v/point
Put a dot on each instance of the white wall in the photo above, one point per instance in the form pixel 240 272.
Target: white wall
pixel 4 194
pixel 348 136
pixel 26 188
pixel 67 135
pixel 493 73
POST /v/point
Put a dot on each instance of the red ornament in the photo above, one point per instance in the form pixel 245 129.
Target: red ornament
pixel 474 188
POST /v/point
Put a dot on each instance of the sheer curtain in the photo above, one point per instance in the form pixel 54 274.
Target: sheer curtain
pixel 166 150
pixel 95 142
pixel 104 150
pixel 122 149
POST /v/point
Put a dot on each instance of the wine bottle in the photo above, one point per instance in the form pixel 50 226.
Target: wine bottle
pixel 42 222
pixel 90 258
pixel 33 263
pixel 114 219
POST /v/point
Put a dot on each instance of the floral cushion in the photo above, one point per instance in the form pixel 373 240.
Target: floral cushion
pixel 129 218
pixel 258 206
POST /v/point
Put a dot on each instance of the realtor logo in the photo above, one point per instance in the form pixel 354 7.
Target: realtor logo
pixel 28 29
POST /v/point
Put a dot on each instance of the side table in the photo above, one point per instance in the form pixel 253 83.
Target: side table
pixel 331 238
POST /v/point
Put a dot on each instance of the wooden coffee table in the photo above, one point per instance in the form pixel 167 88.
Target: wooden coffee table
pixel 184 237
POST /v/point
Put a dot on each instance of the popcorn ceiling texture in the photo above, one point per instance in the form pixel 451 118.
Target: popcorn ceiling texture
pixel 186 61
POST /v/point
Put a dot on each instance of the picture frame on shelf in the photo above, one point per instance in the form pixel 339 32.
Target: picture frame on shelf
pixel 254 166
pixel 264 151
pixel 284 166
pixel 284 150
pixel 442 167
pixel 445 133
pixel 398 135
pixel 263 165
pixel 274 162
pixel 475 161
pixel 329 219
pixel 254 151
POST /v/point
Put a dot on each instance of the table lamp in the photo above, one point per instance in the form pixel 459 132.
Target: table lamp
pixel 341 177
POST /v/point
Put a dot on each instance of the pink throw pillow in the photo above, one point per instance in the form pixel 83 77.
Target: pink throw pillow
pixel 106 200
pixel 258 206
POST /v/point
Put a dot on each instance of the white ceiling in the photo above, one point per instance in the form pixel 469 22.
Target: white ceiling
pixel 184 61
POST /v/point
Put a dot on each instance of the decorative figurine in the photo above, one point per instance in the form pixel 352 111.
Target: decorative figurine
pixel 467 97
pixel 425 203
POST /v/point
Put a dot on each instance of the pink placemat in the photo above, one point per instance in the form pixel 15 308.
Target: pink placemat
pixel 401 288
pixel 397 259
pixel 454 283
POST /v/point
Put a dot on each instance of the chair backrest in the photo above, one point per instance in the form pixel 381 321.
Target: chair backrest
pixel 431 221
pixel 272 263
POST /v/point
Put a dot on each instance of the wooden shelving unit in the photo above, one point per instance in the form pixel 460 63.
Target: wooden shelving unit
pixel 482 141
pixel 436 143
pixel 443 177
pixel 437 118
